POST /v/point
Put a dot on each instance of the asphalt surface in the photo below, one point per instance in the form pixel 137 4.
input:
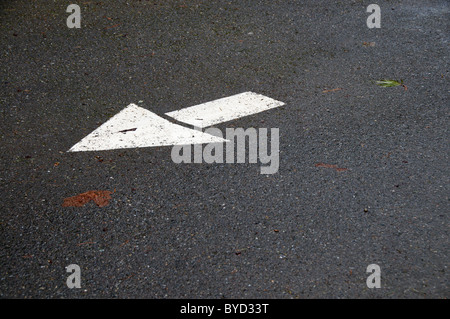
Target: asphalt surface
pixel 225 230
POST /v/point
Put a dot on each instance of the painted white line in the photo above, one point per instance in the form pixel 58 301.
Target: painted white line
pixel 137 127
pixel 225 109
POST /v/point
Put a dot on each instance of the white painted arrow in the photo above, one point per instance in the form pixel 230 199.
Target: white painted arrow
pixel 137 127
pixel 225 109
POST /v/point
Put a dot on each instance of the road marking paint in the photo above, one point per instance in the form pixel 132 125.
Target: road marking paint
pixel 137 127
pixel 225 109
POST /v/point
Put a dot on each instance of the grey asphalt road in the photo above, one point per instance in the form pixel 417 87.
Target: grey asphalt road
pixel 225 230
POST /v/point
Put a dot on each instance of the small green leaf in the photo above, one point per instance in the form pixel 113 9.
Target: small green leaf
pixel 388 83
